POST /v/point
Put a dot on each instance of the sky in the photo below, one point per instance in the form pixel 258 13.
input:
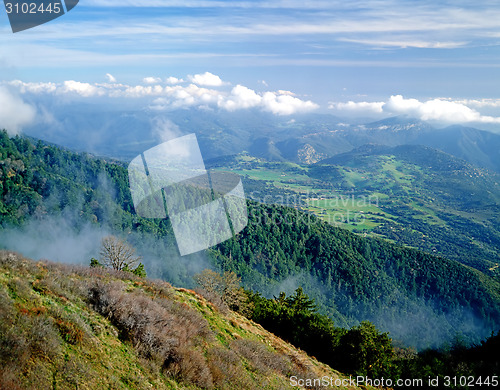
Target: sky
pixel 433 60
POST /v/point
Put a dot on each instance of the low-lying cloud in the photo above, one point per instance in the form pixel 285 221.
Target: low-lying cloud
pixel 205 90
pixel 279 103
pixel 14 112
pixel 438 110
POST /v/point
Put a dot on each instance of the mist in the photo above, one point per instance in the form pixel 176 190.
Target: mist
pixel 55 239
pixel 410 321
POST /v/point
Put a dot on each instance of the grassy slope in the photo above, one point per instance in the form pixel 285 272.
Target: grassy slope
pixel 74 327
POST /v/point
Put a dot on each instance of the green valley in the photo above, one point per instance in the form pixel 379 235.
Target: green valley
pixel 411 195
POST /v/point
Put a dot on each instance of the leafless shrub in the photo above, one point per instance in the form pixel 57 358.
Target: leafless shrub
pixel 261 358
pixel 43 338
pixel 19 288
pixel 7 314
pixel 226 286
pixel 8 259
pixel 215 299
pixel 303 369
pixel 189 365
pixel 161 330
pixel 228 371
pixel 158 288
pixel 60 281
pixel 15 262
pixel 13 347
pixel 9 379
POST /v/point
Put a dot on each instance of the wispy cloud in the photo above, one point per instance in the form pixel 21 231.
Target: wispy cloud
pixel 267 40
pixel 403 44
pixel 110 78
pixel 391 23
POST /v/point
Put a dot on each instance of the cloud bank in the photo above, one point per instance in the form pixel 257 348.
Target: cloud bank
pixel 437 110
pixel 208 91
pixel 204 90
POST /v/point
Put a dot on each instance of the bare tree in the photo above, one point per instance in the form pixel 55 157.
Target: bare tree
pixel 116 253
pixel 226 286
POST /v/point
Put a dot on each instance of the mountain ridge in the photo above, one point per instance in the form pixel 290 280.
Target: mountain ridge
pixel 125 134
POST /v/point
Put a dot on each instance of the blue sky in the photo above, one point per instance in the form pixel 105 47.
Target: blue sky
pixel 344 57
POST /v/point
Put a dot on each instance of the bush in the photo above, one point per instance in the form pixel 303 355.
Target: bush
pixel 261 358
pixel 363 350
pixel 161 330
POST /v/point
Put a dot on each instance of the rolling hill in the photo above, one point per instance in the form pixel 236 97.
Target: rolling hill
pixel 409 194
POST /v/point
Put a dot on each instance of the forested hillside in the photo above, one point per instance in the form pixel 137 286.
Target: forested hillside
pixel 421 299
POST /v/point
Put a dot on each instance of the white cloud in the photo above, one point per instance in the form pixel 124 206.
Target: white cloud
pixel 33 87
pixel 439 110
pixel 82 89
pixel 173 80
pixel 177 96
pixel 240 97
pixel 493 103
pixel 283 92
pixel 206 79
pixel 151 80
pixel 14 112
pixel 286 104
pixel 110 78
pixel 354 107
pixel 138 91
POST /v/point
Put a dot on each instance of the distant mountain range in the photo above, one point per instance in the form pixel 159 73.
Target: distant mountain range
pixel 303 138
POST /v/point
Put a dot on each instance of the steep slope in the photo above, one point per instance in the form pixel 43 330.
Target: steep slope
pixel 419 298
pixel 75 327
